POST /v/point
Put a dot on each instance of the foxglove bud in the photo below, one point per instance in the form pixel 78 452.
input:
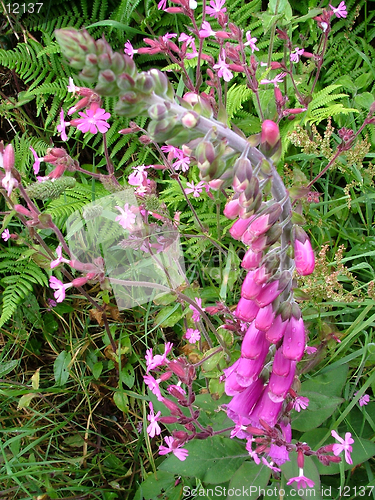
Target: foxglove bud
pixel 246 310
pixel 239 227
pixel 263 222
pixel 243 172
pixel 250 289
pixel 254 343
pixel 8 158
pixel 232 209
pixel 265 240
pixel 270 138
pixel 294 339
pixel 277 329
pixel 303 253
pixel 272 290
pixel 251 260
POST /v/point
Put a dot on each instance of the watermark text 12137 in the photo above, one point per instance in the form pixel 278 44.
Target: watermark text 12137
pixel 24 8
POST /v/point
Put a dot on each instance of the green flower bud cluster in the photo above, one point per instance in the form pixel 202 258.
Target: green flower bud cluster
pixel 215 160
pixel 50 189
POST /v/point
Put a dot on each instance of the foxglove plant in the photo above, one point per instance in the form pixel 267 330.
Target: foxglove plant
pixel 263 382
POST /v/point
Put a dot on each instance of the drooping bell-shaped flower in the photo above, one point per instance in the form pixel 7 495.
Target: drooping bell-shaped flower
pixel 246 310
pixel 264 318
pixel 277 329
pixel 250 289
pixel 251 259
pixel 242 404
pixel 248 370
pixel 273 289
pixel 281 365
pixel 266 409
pixel 254 343
pixel 303 253
pixel 279 386
pixel 294 339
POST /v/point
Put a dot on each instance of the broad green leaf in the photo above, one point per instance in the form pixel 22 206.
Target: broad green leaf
pixel 7 367
pixel 97 369
pixel 320 408
pixel 168 316
pixel 121 400
pixel 364 100
pixel 164 299
pixel 61 368
pixel 128 375
pixel 213 460
pixel 329 383
pixel 155 485
pixel 251 478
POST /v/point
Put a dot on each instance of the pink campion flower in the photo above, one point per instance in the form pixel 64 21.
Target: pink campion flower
pixel 216 8
pixel 192 335
pixel 162 4
pixel 278 79
pixel 168 36
pixel 278 454
pixel 270 465
pixel 180 453
pixel 158 360
pixel 223 68
pixel 60 259
pixel 138 177
pixel 93 121
pixel 196 190
pixel 9 182
pixel 252 453
pixel 339 11
pixel 60 288
pixel 130 50
pixel 62 125
pixel 301 480
pixel 196 313
pixel 153 385
pixel 296 54
pixel 36 164
pixel 190 42
pixel 127 217
pixel 73 88
pixel 363 400
pixel 343 446
pixel 172 152
pixel 154 428
pixel 206 30
pixel 310 349
pixel 300 403
pixel 5 235
pixel 251 42
pixel 183 163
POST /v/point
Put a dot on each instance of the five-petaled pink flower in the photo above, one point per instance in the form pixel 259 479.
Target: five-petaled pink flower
pixel 296 54
pixel 206 30
pixel 301 480
pixel 278 79
pixel 93 121
pixel 196 190
pixel 216 8
pixel 363 400
pixel 192 335
pixel 127 217
pixel 223 68
pixel 251 42
pixel 180 453
pixel 339 11
pixel 60 288
pixel 196 313
pixel 300 403
pixel 183 162
pixel 343 446
pixel 71 87
pixel 158 360
pixel 129 49
pixel 5 235
pixel 60 259
pixel 36 164
pixel 62 125
pixel 153 385
pixel 154 428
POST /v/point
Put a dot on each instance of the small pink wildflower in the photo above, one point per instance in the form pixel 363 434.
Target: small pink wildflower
pixel 153 385
pixel 251 42
pixel 129 49
pixel 363 400
pixel 158 360
pixel 310 349
pixel 339 11
pixel 73 88
pixel 162 4
pixel 216 8
pixel 36 165
pixel 206 30
pixel 62 125
pixel 182 163
pixel 296 54
pixel 278 79
pixel 154 428
pixel 93 121
pixel 252 453
pixel 343 446
pixel 270 465
pixel 190 42
pixel 196 190
pixel 5 235
pixel 300 403
pixel 60 288
pixel 196 313
pixel 168 36
pixel 180 453
pixel 301 480
pixel 60 259
pixel 9 182
pixel 127 217
pixel 223 68
pixel 192 335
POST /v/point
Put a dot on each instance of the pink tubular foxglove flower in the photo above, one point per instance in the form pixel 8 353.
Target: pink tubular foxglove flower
pixel 93 121
pixel 270 133
pixel 154 428
pixel 254 343
pixel 250 289
pixel 301 480
pixel 345 445
pixel 303 253
pixel 246 310
pixel 251 260
pixel 239 227
pixel 294 339
pixel 172 447
pixel 339 11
